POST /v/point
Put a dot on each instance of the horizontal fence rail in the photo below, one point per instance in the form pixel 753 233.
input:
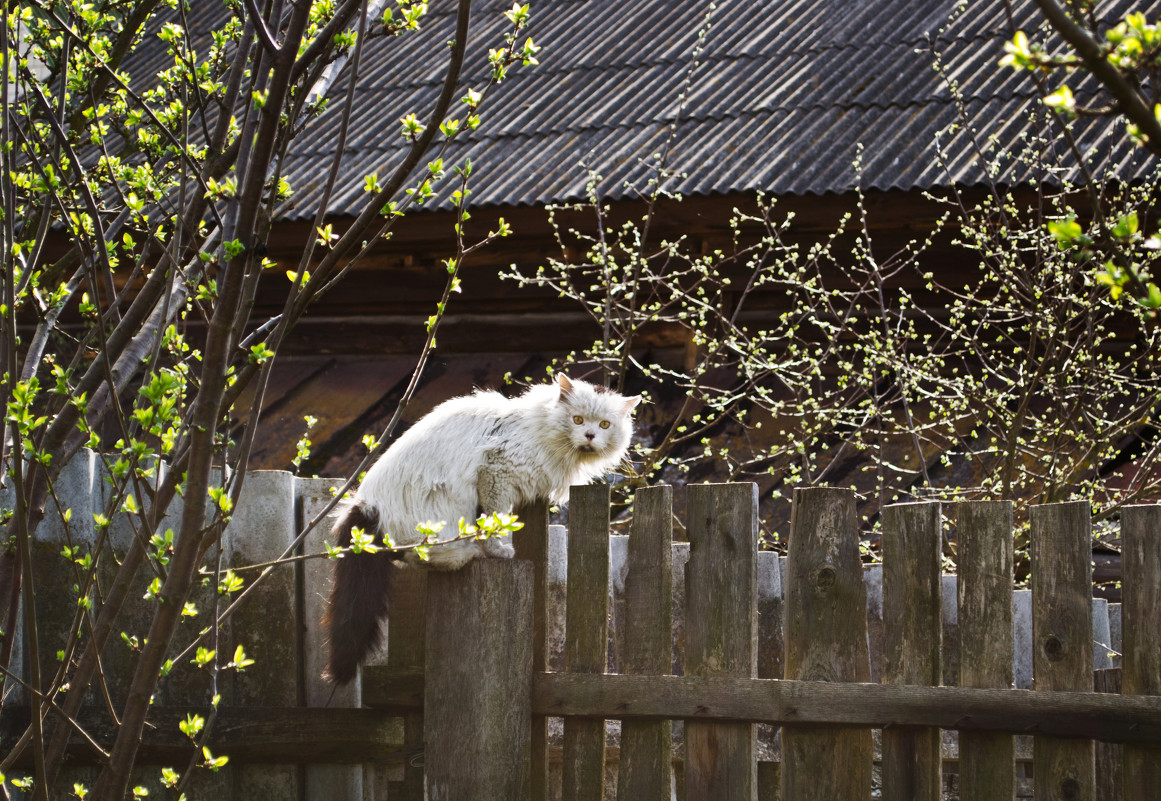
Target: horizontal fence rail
pixel 250 735
pixel 1088 715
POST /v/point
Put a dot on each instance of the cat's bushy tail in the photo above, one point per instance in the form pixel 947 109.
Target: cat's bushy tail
pixel 358 602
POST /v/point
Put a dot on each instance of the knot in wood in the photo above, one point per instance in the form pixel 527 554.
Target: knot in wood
pixel 1070 788
pixel 825 579
pixel 1054 648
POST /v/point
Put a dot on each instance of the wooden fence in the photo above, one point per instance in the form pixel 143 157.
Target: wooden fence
pixel 478 692
pixel 598 667
pixel 284 733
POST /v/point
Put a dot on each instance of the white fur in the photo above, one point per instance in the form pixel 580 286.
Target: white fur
pixel 484 451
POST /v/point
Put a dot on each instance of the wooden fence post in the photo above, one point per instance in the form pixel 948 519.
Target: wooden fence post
pixel 645 772
pixel 912 619
pixel 1141 655
pixel 80 491
pixel 826 640
pixel 721 636
pixel 406 645
pixel 531 544
pixel 1062 656
pixel 586 632
pixel 268 627
pixel 985 551
pixel 323 782
pixel 478 687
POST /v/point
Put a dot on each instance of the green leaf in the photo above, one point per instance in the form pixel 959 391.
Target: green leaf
pixel 1126 226
pixel 528 54
pixel 1066 232
pixel 362 542
pixel 240 661
pixel 231 582
pixel 212 762
pixel 1019 53
pixel 221 498
pixel 326 235
pixel 154 589
pixel 192 724
pixel 233 248
pixel 1063 101
pixel 260 353
pixel 518 14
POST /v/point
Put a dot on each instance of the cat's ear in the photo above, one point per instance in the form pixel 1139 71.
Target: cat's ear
pixel 631 404
pixel 565 385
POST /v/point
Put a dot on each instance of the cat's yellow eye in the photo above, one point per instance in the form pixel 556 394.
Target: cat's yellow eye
pixel 604 424
pixel 578 419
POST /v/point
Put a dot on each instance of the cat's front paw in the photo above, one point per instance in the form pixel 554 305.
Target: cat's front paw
pixel 499 547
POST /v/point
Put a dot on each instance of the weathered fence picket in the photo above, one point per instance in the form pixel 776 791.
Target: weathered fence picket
pixel 1141 660
pixel 720 633
pixel 985 552
pixel 406 653
pixel 261 530
pixel 477 686
pixel 323 782
pixel 826 641
pixel 912 616
pixel 646 746
pixel 586 636
pixel 531 544
pixel 477 663
pixel 1062 633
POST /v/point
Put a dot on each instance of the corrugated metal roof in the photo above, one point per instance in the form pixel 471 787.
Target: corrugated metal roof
pixel 783 96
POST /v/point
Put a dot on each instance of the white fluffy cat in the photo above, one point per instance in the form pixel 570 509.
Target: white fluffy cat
pixel 471 455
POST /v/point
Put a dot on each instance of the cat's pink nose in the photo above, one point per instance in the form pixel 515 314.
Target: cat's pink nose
pixel 590 436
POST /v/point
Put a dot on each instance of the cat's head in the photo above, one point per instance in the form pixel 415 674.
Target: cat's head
pixel 597 421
